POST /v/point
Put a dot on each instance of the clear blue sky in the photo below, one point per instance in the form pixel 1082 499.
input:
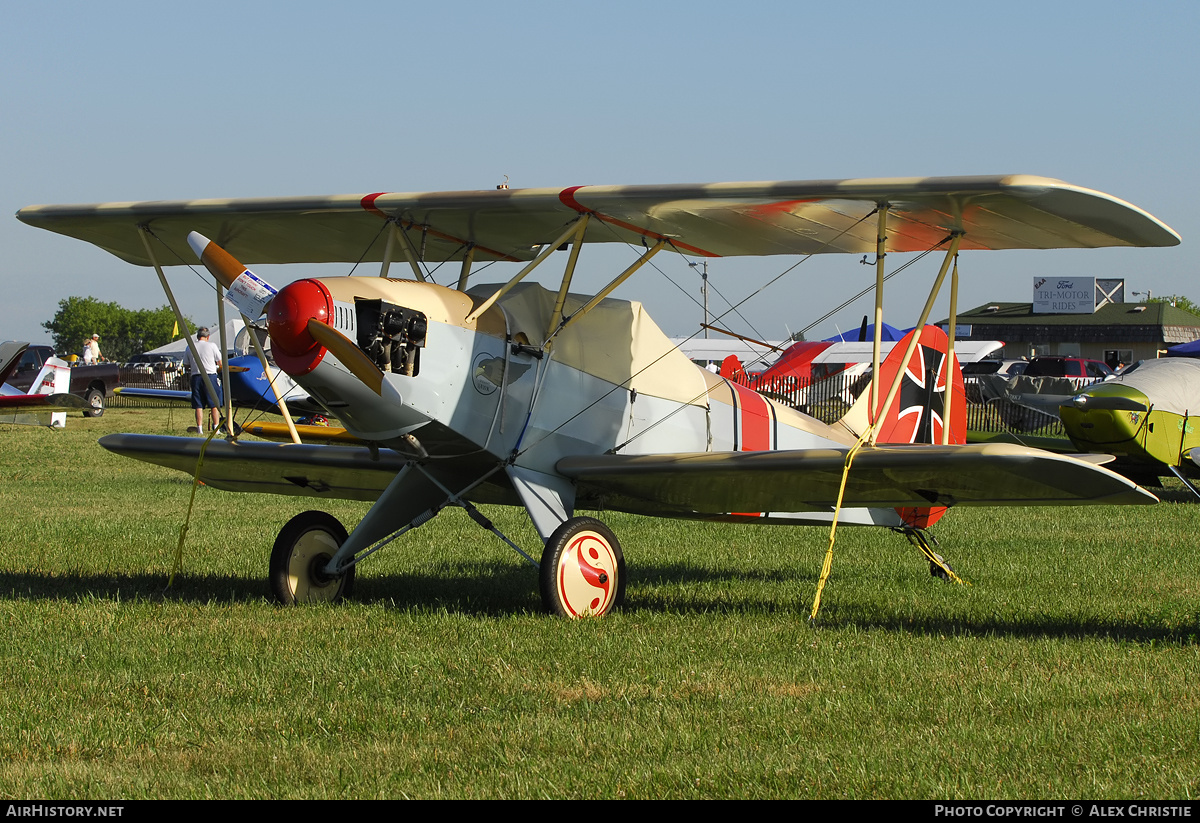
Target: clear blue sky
pixel 139 101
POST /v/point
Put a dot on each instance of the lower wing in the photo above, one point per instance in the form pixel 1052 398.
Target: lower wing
pixel 308 471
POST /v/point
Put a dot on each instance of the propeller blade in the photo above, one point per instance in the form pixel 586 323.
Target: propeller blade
pixel 247 291
pixel 350 355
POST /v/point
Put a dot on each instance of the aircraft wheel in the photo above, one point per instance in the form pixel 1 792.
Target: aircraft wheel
pixel 937 571
pixel 95 403
pixel 302 549
pixel 582 570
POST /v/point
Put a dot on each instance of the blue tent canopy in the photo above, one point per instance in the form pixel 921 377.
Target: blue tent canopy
pixel 1185 350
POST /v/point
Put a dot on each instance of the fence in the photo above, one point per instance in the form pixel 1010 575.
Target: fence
pixel 827 399
pixel 140 377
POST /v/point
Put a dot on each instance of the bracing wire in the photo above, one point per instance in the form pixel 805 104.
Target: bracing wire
pixel 682 406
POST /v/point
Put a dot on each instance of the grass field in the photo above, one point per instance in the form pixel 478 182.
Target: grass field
pixel 1068 670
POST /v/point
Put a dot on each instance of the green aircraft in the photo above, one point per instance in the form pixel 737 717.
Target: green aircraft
pixel 1144 418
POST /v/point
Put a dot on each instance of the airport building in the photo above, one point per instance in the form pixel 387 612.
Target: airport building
pixel 1080 317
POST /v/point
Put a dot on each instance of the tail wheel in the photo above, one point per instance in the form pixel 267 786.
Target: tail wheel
pixel 582 570
pixel 302 550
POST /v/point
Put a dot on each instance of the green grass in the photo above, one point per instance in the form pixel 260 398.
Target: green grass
pixel 1068 669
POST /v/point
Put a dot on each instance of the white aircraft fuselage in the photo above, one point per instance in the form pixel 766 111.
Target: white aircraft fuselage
pixel 492 390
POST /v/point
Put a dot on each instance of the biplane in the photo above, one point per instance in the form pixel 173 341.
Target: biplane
pixel 517 394
pixel 251 386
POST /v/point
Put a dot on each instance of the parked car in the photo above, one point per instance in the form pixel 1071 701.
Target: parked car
pixel 154 362
pixel 1076 368
pixel 159 368
pixel 92 383
pixel 1009 368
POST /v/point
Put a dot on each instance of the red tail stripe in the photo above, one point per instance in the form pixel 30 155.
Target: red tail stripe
pixel 754 417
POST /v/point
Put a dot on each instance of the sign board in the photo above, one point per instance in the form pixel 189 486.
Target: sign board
pixel 1064 295
pixel 249 294
pixel 1110 291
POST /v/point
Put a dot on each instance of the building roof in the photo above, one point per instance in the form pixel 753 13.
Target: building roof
pixel 1112 322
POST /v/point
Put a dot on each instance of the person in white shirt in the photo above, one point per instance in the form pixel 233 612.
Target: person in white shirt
pixel 210 361
pixel 91 350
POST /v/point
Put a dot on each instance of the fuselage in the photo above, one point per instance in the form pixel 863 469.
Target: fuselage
pixel 1154 427
pixel 251 387
pixel 503 387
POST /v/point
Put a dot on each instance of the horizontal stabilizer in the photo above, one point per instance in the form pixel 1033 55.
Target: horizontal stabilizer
pixel 40 403
pixel 893 476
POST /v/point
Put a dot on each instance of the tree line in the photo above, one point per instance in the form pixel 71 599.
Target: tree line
pixel 123 332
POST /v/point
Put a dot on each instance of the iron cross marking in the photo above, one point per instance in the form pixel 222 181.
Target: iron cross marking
pixel 922 397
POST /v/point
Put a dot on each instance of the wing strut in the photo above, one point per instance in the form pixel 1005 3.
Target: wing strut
pixel 893 390
pixel 396 232
pixel 568 273
pixel 145 234
pixel 225 361
pixel 880 255
pixel 465 271
pixel 283 409
pixel 950 351
pixel 616 281
pixel 573 229
pixel 871 435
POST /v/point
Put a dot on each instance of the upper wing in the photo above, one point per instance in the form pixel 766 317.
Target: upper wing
pixel 716 219
pixel 883 476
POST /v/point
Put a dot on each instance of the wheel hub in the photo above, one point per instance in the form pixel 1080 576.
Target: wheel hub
pixel 316 570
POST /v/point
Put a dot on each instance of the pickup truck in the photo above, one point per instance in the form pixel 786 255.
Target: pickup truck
pixel 92 383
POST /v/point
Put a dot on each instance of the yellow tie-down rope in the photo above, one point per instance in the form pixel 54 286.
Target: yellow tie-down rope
pixel 828 564
pixel 915 536
pixel 919 539
pixel 183 530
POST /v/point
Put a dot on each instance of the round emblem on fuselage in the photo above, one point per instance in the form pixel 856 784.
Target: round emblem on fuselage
pixel 487 372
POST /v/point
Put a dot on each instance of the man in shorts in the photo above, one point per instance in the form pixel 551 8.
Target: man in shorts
pixel 210 361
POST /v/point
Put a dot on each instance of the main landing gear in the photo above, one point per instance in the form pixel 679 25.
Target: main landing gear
pixel 581 574
pixel 302 550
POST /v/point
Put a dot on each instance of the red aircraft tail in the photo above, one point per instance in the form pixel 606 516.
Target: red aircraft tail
pixel 917 413
pixel 731 369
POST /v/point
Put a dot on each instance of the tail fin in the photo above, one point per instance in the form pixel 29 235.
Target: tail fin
pixel 10 358
pixel 54 378
pixel 731 369
pixel 917 413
